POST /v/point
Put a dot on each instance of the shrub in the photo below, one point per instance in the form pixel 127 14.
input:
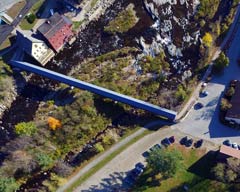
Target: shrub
pixel 99 148
pixel 181 94
pixel 8 185
pixel 220 63
pixel 54 123
pixel 207 40
pixel 225 105
pixel 230 92
pixel 24 128
pixel 44 160
pixel 31 18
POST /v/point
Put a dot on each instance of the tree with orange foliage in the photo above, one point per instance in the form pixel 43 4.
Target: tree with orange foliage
pixel 54 123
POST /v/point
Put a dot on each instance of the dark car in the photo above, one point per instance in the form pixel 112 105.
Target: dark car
pixel 166 142
pixel 227 143
pixel 137 171
pixel 139 165
pixel 204 94
pixel 171 139
pixel 183 140
pixel 198 143
pixel 198 106
pixel 157 146
pixel 189 143
pixel 145 154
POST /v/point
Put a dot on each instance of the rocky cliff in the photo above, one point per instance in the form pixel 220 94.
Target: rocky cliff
pixel 177 34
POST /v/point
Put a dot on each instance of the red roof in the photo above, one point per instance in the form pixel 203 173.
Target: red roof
pixel 57 30
pixel 230 151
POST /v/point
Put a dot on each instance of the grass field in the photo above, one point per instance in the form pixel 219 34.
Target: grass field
pixel 195 174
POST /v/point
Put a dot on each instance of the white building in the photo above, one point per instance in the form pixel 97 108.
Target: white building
pixel 34 47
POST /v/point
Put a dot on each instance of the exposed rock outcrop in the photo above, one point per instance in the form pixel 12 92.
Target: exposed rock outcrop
pixel 176 31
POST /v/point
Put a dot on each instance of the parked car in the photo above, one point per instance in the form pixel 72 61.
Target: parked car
pixel 235 145
pixel 198 143
pixel 227 143
pixel 137 171
pixel 198 106
pixel 171 139
pixel 189 143
pixel 183 140
pixel 157 146
pixel 139 165
pixel 166 142
pixel 204 93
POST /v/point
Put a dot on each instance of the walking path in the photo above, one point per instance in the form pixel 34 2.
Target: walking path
pixel 106 154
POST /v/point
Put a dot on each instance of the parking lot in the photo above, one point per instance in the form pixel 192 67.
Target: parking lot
pixel 204 122
pixel 115 175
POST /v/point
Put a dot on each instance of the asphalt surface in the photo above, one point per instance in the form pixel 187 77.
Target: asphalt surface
pixel 5 30
pixel 205 122
pixel 115 175
pixel 107 153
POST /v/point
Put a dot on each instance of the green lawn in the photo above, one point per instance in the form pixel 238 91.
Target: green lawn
pixel 25 25
pixel 194 174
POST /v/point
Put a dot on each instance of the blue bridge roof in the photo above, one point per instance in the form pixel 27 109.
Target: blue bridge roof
pixel 95 89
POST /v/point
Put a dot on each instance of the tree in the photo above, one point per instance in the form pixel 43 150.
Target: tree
pixel 225 105
pixel 181 94
pixel 44 160
pixel 230 175
pixel 230 92
pixel 31 18
pixel 218 171
pixel 8 185
pixel 164 161
pixel 207 40
pixel 221 62
pixel 54 123
pixel 234 164
pixel 99 148
pixel 24 128
pixel 62 169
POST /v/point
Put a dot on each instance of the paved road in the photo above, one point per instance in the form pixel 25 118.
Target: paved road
pixel 114 174
pixel 107 153
pixel 5 30
pixel 225 45
pixel 205 122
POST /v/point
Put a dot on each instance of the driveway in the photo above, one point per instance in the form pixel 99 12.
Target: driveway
pixel 205 122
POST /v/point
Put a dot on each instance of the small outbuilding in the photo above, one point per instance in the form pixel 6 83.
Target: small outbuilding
pixel 226 151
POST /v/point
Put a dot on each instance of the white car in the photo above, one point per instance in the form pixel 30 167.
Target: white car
pixel 235 145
